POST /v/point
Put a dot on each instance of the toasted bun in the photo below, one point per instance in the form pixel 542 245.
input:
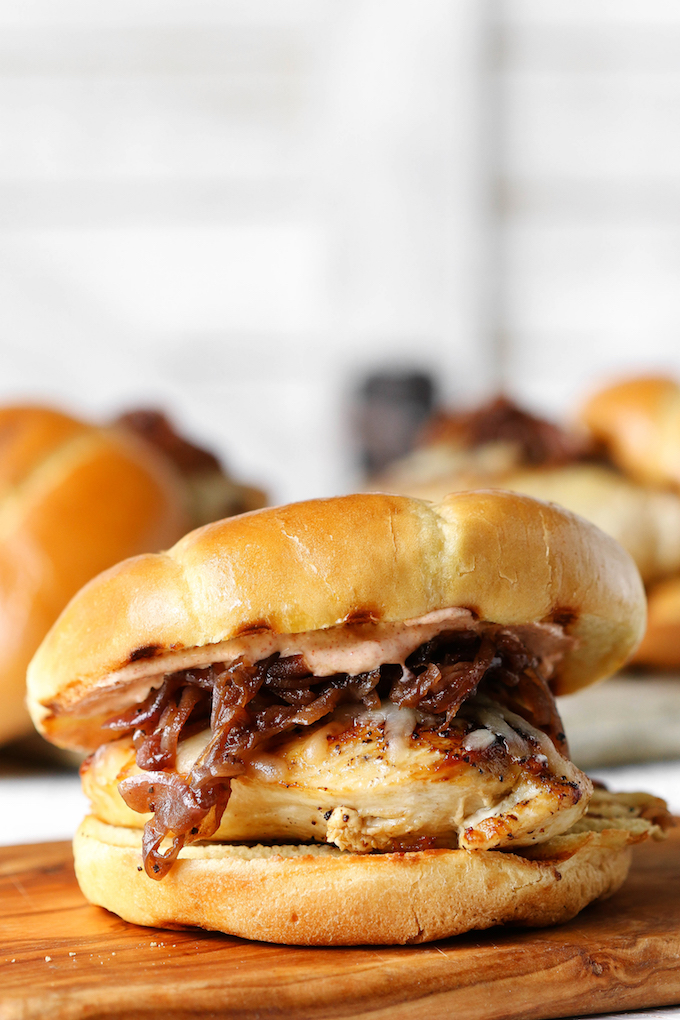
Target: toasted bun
pixel 318 895
pixel 639 423
pixel 327 563
pixel 660 646
pixel 74 499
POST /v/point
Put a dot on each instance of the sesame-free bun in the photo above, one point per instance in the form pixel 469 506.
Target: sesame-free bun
pixel 660 646
pixel 319 895
pixel 638 421
pixel 328 563
pixel 74 499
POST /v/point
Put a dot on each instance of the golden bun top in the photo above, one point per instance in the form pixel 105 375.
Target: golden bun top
pixel 638 421
pixel 74 499
pixel 309 566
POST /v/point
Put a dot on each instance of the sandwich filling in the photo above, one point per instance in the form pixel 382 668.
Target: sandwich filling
pixel 493 439
pixel 454 742
pixel 535 441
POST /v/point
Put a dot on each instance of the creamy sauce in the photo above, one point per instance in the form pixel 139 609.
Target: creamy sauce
pixel 352 649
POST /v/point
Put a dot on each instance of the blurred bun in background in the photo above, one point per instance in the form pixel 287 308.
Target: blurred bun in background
pixel 660 647
pixel 210 491
pixel 75 499
pixel 637 422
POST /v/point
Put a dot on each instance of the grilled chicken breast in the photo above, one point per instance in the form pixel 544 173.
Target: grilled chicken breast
pixel 382 780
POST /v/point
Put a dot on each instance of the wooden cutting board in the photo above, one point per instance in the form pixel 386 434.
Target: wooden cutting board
pixel 62 959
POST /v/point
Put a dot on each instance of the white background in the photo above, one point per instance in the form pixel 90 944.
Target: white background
pixel 234 209
pixel 589 99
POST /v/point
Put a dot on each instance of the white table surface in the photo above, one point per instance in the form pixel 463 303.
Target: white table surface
pixel 40 807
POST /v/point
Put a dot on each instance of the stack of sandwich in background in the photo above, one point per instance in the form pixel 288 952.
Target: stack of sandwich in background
pixel 637 422
pixel 619 467
pixel 75 498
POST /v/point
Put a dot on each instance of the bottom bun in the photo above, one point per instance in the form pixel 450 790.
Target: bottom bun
pixel 319 895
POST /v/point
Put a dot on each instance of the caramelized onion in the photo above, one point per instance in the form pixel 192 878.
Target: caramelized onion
pixel 247 705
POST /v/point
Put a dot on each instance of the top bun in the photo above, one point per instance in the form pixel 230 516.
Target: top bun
pixel 74 499
pixel 510 559
pixel 638 420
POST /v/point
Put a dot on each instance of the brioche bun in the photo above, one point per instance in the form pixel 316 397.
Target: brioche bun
pixel 660 647
pixel 318 895
pixel 638 421
pixel 329 563
pixel 74 499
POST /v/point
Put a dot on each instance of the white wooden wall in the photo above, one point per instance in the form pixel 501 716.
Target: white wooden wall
pixel 589 182
pixel 233 208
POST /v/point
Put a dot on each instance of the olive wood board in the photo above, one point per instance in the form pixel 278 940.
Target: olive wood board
pixel 64 959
